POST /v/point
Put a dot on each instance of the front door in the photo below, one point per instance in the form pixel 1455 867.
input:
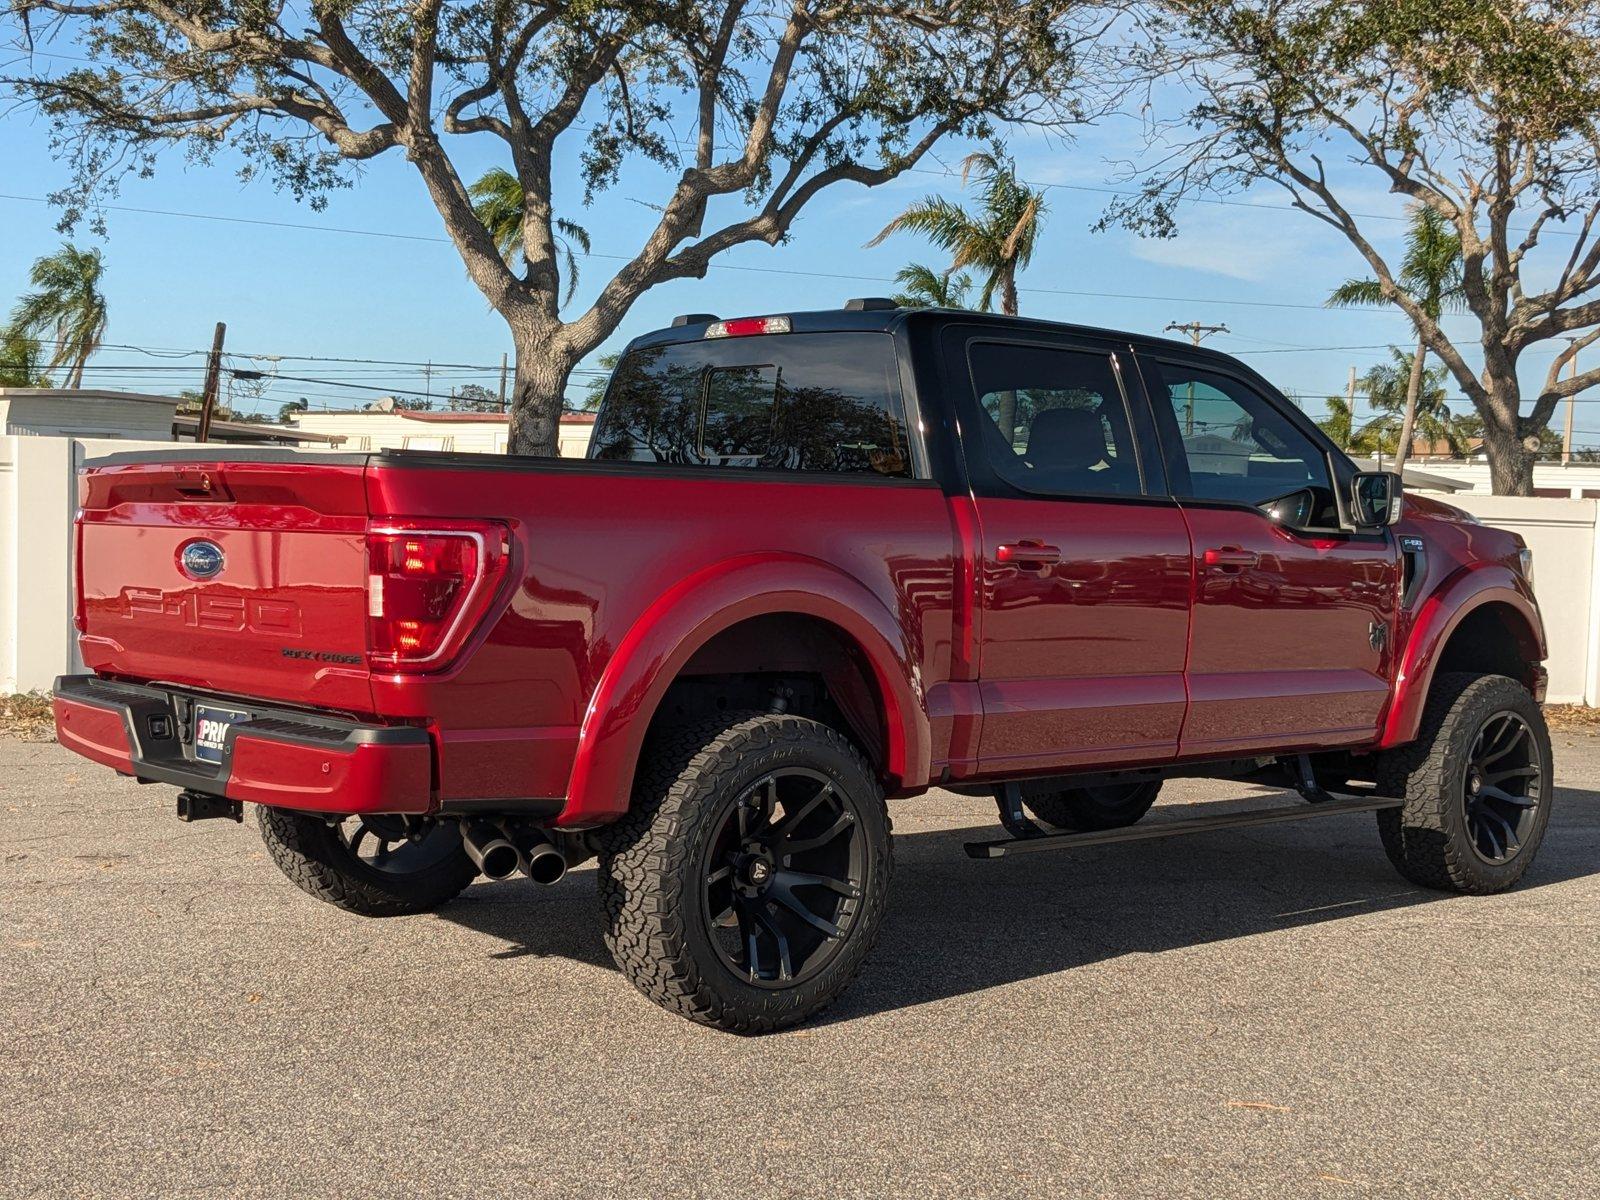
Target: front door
pixel 1293 615
pixel 1085 566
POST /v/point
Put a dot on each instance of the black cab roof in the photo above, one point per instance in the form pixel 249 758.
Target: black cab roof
pixel 884 317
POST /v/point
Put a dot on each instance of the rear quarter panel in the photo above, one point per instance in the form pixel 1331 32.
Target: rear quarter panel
pixel 646 562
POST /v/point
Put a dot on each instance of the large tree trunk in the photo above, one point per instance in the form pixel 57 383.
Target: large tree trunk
pixel 1510 462
pixel 1408 424
pixel 538 394
pixel 1008 291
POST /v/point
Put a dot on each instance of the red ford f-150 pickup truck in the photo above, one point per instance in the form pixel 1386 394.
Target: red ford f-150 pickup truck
pixel 812 561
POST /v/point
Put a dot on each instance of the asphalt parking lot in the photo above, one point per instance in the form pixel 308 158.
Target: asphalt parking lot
pixel 1269 1013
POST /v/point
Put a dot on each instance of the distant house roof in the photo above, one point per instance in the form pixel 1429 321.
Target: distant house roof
pixel 443 418
pixel 1422 481
pixel 18 393
pixel 187 425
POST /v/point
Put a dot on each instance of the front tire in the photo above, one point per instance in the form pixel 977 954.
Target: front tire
pixel 368 865
pixel 1477 784
pixel 749 880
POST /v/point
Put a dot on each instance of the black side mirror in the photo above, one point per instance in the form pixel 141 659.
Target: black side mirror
pixel 1376 499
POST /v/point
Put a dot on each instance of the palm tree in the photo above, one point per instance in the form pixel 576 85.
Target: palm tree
pixel 500 203
pixel 1341 426
pixel 21 362
pixel 997 240
pixel 927 288
pixel 66 311
pixel 1400 391
pixel 1430 273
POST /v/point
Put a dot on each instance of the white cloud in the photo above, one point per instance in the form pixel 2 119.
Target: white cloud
pixel 1237 243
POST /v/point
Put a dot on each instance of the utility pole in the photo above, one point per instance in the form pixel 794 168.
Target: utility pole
pixel 1195 330
pixel 1197 333
pixel 1350 406
pixel 1572 403
pixel 502 381
pixel 427 381
pixel 208 396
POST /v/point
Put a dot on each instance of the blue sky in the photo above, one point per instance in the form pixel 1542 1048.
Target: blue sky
pixel 1251 264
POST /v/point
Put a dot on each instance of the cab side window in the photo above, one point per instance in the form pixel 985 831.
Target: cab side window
pixel 1236 445
pixel 1054 422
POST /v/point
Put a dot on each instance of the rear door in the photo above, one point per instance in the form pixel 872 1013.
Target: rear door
pixel 236 577
pixel 1293 616
pixel 1085 563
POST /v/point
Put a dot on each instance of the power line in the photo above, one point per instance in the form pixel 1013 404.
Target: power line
pixel 947 173
pixel 724 266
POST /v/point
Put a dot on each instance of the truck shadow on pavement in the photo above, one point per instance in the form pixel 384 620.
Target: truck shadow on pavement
pixel 957 926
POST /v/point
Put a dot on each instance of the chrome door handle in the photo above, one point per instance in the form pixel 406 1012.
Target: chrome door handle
pixel 1231 556
pixel 1028 553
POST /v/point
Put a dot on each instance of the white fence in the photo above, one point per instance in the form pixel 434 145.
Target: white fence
pixel 38 491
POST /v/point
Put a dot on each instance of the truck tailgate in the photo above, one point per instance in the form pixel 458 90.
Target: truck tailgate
pixel 238 577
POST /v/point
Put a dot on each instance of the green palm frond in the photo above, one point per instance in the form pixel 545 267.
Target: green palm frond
pixel 923 287
pixel 1357 293
pixel 1430 269
pixel 946 225
pixel 66 309
pixel 573 233
pixel 996 239
pixel 500 203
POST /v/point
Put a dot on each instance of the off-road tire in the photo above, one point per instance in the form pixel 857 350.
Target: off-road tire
pixel 1428 839
pixel 1085 809
pixel 310 852
pixel 650 861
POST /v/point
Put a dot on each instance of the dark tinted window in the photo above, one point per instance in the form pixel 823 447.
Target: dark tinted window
pixel 1054 421
pixel 1236 445
pixel 788 402
pixel 741 408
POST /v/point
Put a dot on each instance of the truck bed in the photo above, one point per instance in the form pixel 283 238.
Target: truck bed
pixel 594 550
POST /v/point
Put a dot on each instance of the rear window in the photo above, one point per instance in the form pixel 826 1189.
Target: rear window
pixel 778 402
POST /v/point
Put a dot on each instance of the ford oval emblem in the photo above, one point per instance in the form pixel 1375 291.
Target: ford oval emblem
pixel 200 560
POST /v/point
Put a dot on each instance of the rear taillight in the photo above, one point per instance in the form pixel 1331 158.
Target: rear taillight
pixel 80 616
pixel 427 588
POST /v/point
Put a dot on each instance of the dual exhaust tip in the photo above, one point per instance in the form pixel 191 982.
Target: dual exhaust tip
pixel 499 853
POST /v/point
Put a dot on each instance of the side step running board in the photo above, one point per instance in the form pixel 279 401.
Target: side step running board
pixel 1161 829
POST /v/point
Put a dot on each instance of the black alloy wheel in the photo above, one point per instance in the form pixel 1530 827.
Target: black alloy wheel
pixel 1477 784
pixel 782 878
pixel 378 865
pixel 748 881
pixel 1502 787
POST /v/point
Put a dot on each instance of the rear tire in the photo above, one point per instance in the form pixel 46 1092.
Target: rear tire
pixel 1477 783
pixel 751 837
pixel 1114 806
pixel 325 861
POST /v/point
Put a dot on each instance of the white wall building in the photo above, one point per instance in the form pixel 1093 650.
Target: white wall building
pixel 85 413
pixel 463 432
pixel 1577 481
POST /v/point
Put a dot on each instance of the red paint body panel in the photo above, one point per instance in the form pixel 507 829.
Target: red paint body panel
pixel 1130 649
pixel 1283 651
pixel 286 619
pixel 267 770
pixel 313 778
pixel 96 733
pixel 1468 565
pixel 627 575
pixel 1083 658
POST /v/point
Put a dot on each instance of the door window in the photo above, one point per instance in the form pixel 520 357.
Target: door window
pixel 1236 445
pixel 1054 421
